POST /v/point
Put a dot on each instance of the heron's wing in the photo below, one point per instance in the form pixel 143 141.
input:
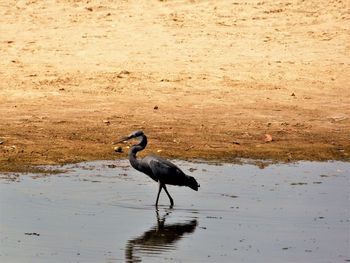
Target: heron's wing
pixel 165 171
pixel 159 160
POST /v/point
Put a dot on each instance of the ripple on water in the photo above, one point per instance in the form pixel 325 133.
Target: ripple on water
pixel 103 211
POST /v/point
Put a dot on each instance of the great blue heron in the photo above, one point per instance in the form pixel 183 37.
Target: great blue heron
pixel 160 170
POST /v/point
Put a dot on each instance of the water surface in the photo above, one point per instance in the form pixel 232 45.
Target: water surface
pixel 103 212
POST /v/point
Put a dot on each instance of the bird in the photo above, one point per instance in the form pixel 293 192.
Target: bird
pixel 160 170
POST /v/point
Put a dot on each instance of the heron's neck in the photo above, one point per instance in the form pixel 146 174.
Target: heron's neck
pixel 134 150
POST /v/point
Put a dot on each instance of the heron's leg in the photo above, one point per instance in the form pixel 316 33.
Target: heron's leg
pixel 171 200
pixel 160 189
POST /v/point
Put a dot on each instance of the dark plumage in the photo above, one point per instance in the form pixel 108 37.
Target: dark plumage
pixel 159 169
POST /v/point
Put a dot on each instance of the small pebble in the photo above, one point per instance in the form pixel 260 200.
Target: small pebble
pixel 118 149
pixel 268 138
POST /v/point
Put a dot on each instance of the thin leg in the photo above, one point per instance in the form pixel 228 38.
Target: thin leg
pixel 171 200
pixel 160 189
pixel 158 219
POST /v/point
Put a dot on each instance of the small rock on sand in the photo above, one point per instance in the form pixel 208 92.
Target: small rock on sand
pixel 118 149
pixel 268 138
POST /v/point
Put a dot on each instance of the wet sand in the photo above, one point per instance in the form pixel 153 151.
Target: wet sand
pixel 103 212
pixel 204 79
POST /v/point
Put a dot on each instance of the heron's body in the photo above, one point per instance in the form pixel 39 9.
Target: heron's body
pixel 159 169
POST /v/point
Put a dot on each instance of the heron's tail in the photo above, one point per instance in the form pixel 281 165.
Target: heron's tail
pixel 192 183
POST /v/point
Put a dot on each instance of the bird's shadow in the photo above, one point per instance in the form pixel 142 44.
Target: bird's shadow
pixel 160 238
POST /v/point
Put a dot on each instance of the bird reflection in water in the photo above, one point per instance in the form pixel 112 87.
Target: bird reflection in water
pixel 160 238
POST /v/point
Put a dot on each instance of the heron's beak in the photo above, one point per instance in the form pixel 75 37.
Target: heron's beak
pixel 122 140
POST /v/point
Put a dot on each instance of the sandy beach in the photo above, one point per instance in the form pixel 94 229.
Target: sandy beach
pixel 204 79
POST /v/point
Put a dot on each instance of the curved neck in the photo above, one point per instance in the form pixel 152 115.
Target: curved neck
pixel 134 150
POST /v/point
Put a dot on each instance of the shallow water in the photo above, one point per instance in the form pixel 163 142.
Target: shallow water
pixel 103 212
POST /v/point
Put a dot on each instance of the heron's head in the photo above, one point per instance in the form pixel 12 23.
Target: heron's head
pixel 135 134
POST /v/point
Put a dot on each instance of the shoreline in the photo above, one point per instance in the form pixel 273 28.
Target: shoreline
pixel 21 167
